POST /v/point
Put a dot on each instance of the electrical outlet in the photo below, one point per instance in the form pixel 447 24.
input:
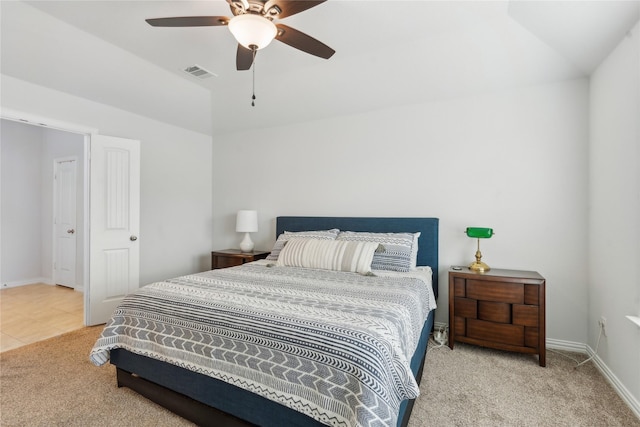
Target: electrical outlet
pixel 603 324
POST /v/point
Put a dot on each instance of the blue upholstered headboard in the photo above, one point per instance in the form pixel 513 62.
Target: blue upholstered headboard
pixel 427 243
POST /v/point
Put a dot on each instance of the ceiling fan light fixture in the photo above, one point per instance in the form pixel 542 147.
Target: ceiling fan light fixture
pixel 252 30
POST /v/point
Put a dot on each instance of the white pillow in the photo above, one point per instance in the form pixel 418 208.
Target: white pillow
pixel 337 255
pixel 284 237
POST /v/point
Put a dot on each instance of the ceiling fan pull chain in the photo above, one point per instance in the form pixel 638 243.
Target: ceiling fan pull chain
pixel 253 97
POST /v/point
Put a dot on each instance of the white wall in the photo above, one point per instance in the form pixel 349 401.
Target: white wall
pixel 515 161
pixel 614 201
pixel 21 226
pixel 175 234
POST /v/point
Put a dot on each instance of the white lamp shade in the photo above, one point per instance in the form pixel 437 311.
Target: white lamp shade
pixel 247 221
pixel 252 30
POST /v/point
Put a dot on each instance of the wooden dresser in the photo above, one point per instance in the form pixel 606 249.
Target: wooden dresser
pixel 502 309
pixel 232 257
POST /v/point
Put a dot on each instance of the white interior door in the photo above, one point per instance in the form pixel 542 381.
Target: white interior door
pixel 114 225
pixel 64 222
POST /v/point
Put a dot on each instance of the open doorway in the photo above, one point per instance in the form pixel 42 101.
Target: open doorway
pixel 110 216
pixel 31 157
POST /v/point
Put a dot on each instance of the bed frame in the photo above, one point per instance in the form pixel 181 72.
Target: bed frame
pixel 207 401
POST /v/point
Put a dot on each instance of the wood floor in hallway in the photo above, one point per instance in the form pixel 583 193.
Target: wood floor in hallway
pixel 36 312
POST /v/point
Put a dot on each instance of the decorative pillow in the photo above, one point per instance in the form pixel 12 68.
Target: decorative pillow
pixel 400 249
pixel 282 239
pixel 325 254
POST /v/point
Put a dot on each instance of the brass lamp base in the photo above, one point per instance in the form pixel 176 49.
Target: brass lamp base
pixel 480 267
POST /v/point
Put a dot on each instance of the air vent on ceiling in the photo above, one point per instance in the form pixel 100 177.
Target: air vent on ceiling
pixel 199 72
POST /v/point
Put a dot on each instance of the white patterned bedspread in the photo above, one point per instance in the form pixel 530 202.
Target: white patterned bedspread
pixel 335 346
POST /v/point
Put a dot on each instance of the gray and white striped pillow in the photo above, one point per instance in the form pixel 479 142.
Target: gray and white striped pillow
pixel 400 249
pixel 334 255
pixel 284 237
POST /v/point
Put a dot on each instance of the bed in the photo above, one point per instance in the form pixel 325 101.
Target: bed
pixel 207 399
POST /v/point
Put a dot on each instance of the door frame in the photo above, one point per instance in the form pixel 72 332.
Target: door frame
pixel 33 119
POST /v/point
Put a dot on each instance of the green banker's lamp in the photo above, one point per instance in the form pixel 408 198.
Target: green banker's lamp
pixel 479 233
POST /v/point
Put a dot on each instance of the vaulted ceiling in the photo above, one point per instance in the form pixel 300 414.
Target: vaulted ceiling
pixel 387 53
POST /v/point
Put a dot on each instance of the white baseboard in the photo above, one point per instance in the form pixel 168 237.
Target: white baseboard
pixel 440 325
pixel 15 283
pixel 630 400
pixel 622 391
pixel 572 346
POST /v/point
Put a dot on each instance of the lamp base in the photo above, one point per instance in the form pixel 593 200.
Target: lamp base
pixel 246 245
pixel 479 267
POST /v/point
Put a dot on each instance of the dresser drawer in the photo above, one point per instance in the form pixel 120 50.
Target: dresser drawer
pixel 466 307
pixel 531 294
pixel 526 315
pixel 232 257
pixel 459 287
pixel 511 293
pixel 531 337
pixel 495 332
pixel 498 312
pixel 224 262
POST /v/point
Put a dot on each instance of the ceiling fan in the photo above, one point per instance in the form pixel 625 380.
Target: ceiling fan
pixel 253 27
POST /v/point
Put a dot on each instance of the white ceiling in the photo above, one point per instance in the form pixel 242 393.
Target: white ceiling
pixel 387 53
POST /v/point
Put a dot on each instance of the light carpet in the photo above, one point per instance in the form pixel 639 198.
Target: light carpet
pixel 52 383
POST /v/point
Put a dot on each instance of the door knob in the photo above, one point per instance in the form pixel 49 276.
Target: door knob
pixel 71 231
pixel 133 238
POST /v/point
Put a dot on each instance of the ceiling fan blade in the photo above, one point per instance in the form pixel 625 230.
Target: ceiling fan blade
pixel 291 7
pixel 305 43
pixel 244 58
pixel 189 21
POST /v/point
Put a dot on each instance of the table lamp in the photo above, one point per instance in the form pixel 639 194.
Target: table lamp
pixel 479 233
pixel 247 222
